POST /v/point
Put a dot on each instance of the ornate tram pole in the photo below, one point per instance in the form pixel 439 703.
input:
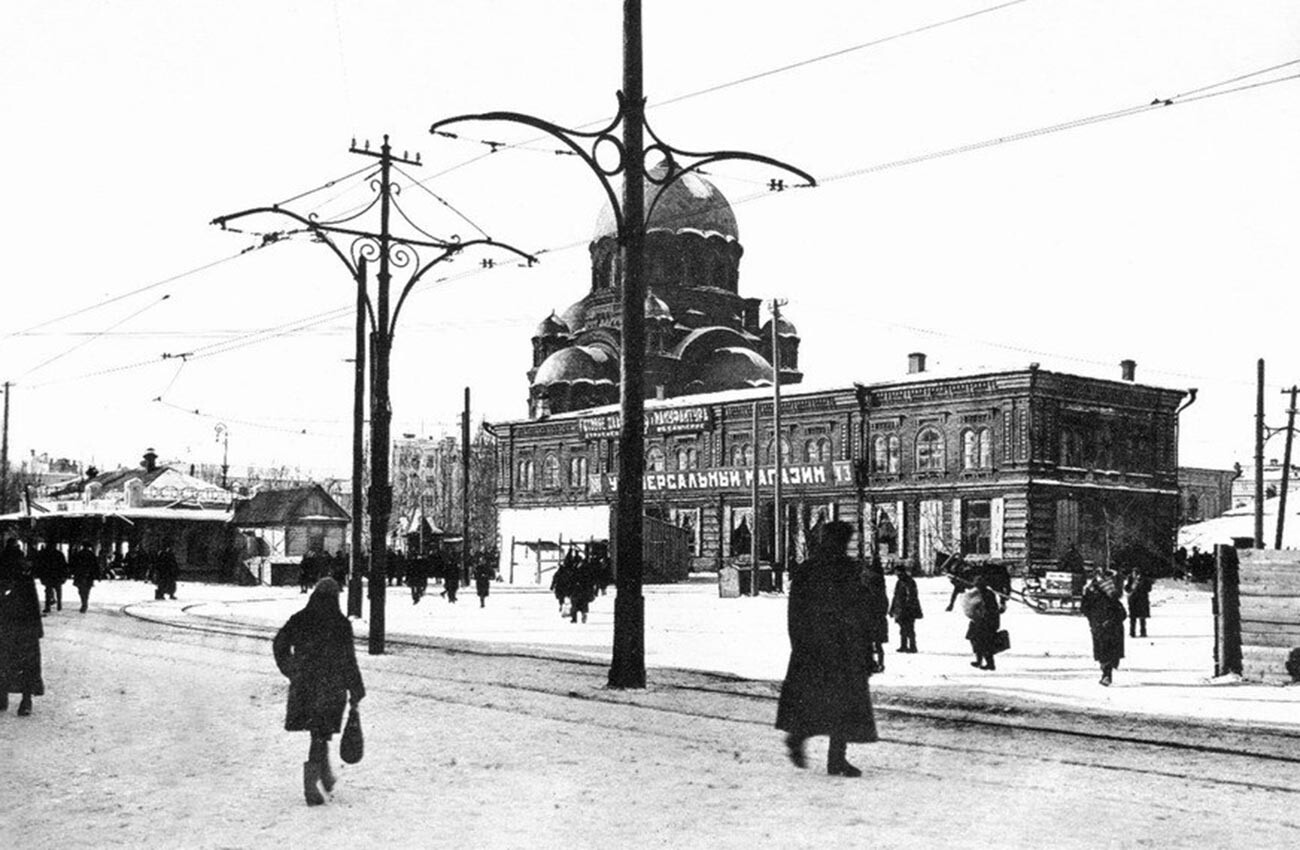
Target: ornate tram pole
pixel 627 668
pixel 391 252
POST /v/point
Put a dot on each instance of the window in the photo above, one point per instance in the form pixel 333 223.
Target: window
pixel 885 453
pixel 551 472
pixel 655 460
pixel 1071 448
pixel 818 450
pixel 524 474
pixel 977 449
pixel 929 450
pixel 742 455
pixel 976 526
pixel 687 457
pixel 785 451
pixel 578 471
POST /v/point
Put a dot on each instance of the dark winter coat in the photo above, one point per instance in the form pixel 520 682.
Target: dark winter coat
pixel 1106 616
pixel 166 571
pixel 877 605
pixel 314 650
pixel 20 629
pixel 84 567
pixel 906 606
pixel 826 689
pixel 51 567
pixel 483 575
pixel 1139 596
pixel 985 620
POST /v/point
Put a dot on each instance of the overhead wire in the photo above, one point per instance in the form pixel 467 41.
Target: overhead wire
pixel 92 338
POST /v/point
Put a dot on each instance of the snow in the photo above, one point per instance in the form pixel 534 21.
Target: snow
pixel 1168 673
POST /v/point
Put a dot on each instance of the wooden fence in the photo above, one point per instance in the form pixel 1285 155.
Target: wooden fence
pixel 1268 601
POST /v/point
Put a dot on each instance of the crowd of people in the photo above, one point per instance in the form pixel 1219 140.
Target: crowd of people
pixel 580 578
pixel 411 570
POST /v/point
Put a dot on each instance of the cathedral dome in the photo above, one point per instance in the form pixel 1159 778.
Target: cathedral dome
pixel 735 368
pixel 690 204
pixel 655 308
pixel 783 328
pixel 551 326
pixel 577 364
pixel 576 316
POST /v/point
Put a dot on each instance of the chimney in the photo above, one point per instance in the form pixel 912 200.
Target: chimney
pixel 150 462
pixel 1127 369
pixel 915 362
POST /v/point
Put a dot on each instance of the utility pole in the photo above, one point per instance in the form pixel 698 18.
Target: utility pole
pixel 1286 468
pixel 464 491
pixel 391 251
pixel 4 456
pixel 756 501
pixel 778 527
pixel 223 434
pixel 1259 455
pixel 358 444
pixel 631 211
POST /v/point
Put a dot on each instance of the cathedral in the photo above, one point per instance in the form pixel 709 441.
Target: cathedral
pixel 702 335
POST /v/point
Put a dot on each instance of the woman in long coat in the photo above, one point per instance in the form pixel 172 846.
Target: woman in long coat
pixel 877 612
pixel 20 631
pixel 314 650
pixel 981 605
pixel 826 689
pixel 1105 613
pixel 1138 587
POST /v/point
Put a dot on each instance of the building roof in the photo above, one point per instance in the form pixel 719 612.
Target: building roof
pixel 110 480
pixel 285 507
pixel 577 364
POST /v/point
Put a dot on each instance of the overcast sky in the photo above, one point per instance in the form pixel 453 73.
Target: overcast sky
pixel 1166 235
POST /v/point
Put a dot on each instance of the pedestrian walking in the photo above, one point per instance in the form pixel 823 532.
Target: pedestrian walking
pixel 827 683
pixel 165 573
pixel 1105 613
pixel 417 577
pixel 451 580
pixel 484 573
pixel 85 572
pixel 20 630
pixel 561 579
pixel 1138 588
pixel 314 650
pixel 52 571
pixel 877 611
pixel 582 589
pixel 980 604
pixel 905 608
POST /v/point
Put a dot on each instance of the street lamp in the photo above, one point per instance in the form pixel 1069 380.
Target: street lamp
pixel 356 248
pixel 223 437
pixel 627 668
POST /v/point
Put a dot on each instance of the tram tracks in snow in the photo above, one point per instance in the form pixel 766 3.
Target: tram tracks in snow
pixel 713 686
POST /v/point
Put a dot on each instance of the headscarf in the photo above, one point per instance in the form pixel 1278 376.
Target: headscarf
pixel 324 597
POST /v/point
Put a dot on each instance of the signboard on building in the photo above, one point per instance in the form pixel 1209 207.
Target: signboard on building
pixel 799 475
pixel 669 420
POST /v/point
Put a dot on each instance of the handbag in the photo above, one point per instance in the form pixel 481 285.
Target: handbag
pixel 352 746
pixel 1001 641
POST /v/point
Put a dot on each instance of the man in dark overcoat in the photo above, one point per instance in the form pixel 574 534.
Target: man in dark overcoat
pixel 52 570
pixel 1138 587
pixel 582 589
pixel 85 572
pixel 20 630
pixel 484 573
pixel 826 689
pixel 905 608
pixel 877 611
pixel 417 577
pixel 1106 615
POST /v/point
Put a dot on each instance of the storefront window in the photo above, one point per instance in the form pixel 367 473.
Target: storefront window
pixel 976 526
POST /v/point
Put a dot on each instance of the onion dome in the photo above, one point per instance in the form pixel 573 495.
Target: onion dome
pixel 690 203
pixel 735 368
pixel 576 316
pixel 552 325
pixel 577 364
pixel 656 309
pixel 783 328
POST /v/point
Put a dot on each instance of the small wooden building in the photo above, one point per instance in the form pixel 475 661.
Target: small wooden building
pixel 281 526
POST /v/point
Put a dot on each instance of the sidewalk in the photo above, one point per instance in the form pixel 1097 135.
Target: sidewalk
pixel 688 627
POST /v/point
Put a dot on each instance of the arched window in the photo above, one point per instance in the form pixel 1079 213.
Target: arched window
pixel 551 472
pixel 578 471
pixel 687 457
pixel 818 450
pixel 785 451
pixel 929 450
pixel 748 455
pixel 654 460
pixel 524 474
pixel 977 449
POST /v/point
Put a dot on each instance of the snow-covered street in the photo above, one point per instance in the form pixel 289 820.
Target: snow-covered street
pixel 152 735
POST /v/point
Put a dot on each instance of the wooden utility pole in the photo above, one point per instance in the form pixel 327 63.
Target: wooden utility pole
pixel 1259 455
pixel 756 501
pixel 778 527
pixel 4 457
pixel 464 491
pixel 1286 469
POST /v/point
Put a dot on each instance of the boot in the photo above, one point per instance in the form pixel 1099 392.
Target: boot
pixel 310 778
pixel 25 705
pixel 836 763
pixel 794 749
pixel 327 778
pixel 4 701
